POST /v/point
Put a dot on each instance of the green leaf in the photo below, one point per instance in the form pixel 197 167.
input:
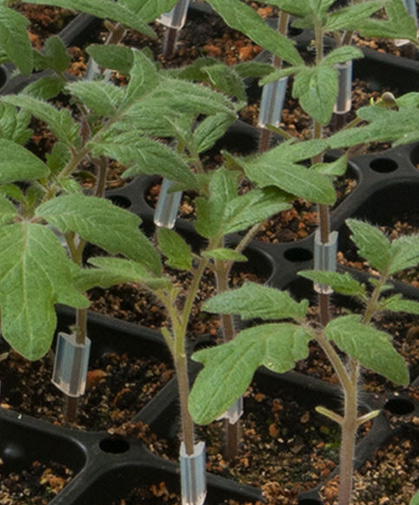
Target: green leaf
pixel 19 164
pixel 104 9
pixel 404 253
pixel 398 304
pixel 229 368
pixel 351 17
pixel 177 251
pixel 292 7
pixel 372 244
pixel 14 124
pixel 7 210
pixel 14 39
pixel 58 158
pixel 317 89
pixel 210 130
pixel 113 271
pixel 35 274
pixel 342 54
pixel 226 79
pixel 143 79
pixel 254 300
pixel 224 254
pixel 253 69
pixel 341 283
pixel 243 18
pixel 415 499
pixel 149 10
pixel 102 98
pixel 45 88
pixel 56 55
pixel 275 75
pixel 149 157
pixel 371 347
pixel 279 167
pixel 398 25
pixel 119 58
pixel 59 121
pixel 100 222
pixel 13 192
pixel 334 168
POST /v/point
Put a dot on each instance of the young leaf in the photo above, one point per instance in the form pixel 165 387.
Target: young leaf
pixel 100 97
pixel 227 80
pixel 19 164
pixel 143 79
pixel 55 56
pixel 224 254
pixel 45 88
pixel 58 158
pixel 404 253
pixel 149 10
pixel 35 274
pixel 177 251
pixel 100 222
pixel 317 89
pixel 14 124
pixel 229 368
pixel 351 17
pixel 113 271
pixel 210 130
pixel 398 304
pixel 104 9
pixel 59 121
pixel 371 347
pixel 7 210
pixel 342 54
pixel 253 69
pixel 243 18
pixel 279 167
pixel 415 499
pixel 149 157
pixel 341 283
pixel 119 58
pixel 254 300
pixel 333 168
pixel 373 245
pixel 14 39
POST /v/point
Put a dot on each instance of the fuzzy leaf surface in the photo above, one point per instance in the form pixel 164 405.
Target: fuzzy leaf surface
pixel 119 58
pixel 210 130
pixel 59 121
pixel 45 88
pixel 255 300
pixel 100 97
pixel 404 253
pixel 352 17
pixel 100 222
pixel 243 18
pixel 14 123
pixel 229 368
pixel 398 304
pixel 149 10
pixel 279 167
pixel 148 156
pixel 317 89
pixel 371 347
pixel 224 254
pixel 226 80
pixel 54 55
pixel 341 283
pixel 19 164
pixel 342 54
pixel 14 39
pixel 7 210
pixel 333 168
pixel 35 274
pixel 104 9
pixel 373 245
pixel 177 251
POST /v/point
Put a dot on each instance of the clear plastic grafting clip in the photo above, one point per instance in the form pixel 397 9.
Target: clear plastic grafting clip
pixel 411 9
pixel 271 104
pixel 192 475
pixel 71 364
pixel 343 102
pixel 167 205
pixel 176 17
pixel 325 258
pixel 234 413
pixel 93 71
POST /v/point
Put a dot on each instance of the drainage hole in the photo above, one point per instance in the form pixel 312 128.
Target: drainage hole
pixel 114 445
pixel 383 165
pixel 399 406
pixel 298 254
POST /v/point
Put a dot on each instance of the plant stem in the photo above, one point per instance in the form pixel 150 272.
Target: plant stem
pixel 188 433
